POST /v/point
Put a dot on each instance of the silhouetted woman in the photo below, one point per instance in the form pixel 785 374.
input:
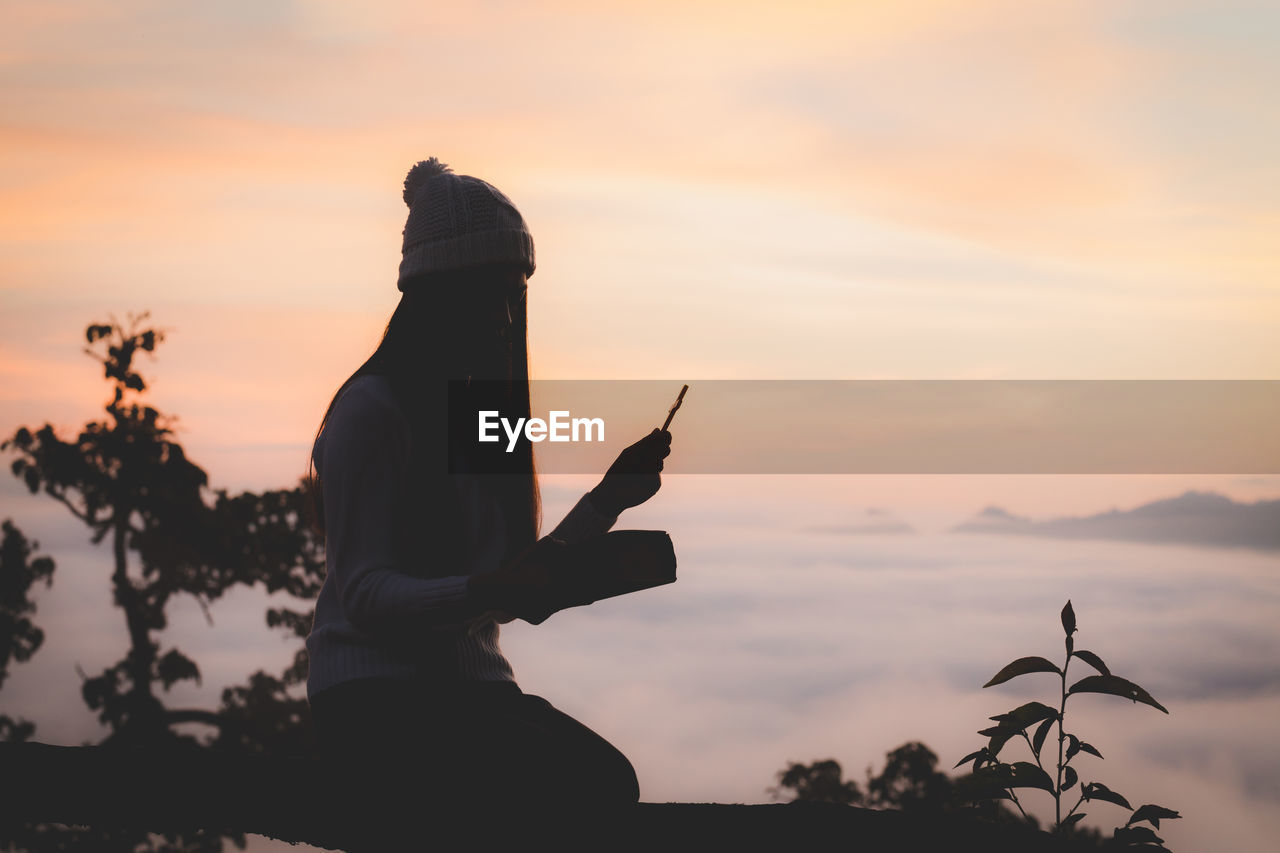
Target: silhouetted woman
pixel 415 707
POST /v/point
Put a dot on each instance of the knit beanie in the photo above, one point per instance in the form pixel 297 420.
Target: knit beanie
pixel 457 221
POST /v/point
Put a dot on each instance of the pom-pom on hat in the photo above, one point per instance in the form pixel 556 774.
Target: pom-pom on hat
pixel 457 221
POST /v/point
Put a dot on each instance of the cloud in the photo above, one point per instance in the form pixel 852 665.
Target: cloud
pixel 1263 482
pixel 1204 519
pixel 875 521
pixel 1254 759
pixel 777 645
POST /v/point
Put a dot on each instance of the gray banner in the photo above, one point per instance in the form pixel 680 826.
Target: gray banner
pixel 915 426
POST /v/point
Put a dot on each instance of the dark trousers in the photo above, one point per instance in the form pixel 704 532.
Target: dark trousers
pixel 423 759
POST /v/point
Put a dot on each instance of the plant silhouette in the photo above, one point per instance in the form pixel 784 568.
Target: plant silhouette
pixel 132 485
pixel 999 780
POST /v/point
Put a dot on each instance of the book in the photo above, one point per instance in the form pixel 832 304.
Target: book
pixel 606 565
pixel 614 563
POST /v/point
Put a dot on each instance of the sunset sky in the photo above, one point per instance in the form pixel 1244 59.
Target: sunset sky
pixel 716 190
pixel 987 189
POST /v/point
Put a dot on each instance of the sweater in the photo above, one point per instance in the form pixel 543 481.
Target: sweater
pixel 376 616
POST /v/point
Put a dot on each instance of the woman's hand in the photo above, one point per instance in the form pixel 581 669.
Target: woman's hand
pixel 522 588
pixel 633 478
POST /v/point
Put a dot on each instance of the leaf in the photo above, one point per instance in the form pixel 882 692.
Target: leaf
pixel 1071 820
pixel 1136 835
pixel 1021 667
pixel 1021 774
pixel 174 666
pixel 1024 715
pixel 1093 661
pixel 981 753
pixel 1041 733
pixel 1152 813
pixel 1015 722
pixel 1099 791
pixel 1115 686
pixel 1069 778
pixel 1089 748
pixel 982 785
pixel 1073 746
pixel 999 737
pixel 1068 619
pixel 1027 775
pixel 97 330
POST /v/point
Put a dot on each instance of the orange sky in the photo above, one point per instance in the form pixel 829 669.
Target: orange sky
pixel 717 190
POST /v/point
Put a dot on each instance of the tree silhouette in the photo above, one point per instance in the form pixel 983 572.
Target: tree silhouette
pixel 132 485
pixel 911 783
pixel 19 636
pixel 819 782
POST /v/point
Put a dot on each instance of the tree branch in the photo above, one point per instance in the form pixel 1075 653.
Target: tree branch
pixel 196 715
pixel 204 608
pixel 83 515
pixel 1014 797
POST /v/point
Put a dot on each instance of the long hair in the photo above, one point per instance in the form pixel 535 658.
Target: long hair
pixel 419 353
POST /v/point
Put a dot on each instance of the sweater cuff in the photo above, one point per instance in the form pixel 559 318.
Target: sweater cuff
pixel 441 592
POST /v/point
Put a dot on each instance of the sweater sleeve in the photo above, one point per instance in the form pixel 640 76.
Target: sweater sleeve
pixel 365 448
pixel 585 519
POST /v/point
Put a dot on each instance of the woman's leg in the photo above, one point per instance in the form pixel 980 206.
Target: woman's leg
pixel 541 776
pixel 425 757
pixel 367 716
pixel 524 750
pixel 371 739
pixel 586 767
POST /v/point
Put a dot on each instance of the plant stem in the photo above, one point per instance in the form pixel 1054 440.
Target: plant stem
pixel 1019 805
pixel 1073 809
pixel 1062 712
pixel 1034 754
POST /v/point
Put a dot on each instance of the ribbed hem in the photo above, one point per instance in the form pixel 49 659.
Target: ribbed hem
pixel 334 662
pixel 479 248
pixel 341 653
pixel 336 657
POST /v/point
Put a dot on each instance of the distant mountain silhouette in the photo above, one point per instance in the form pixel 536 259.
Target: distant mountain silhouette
pixel 879 521
pixel 1205 519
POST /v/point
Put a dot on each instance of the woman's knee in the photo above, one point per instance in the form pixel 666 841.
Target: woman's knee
pixel 606 775
pixel 628 785
pixel 614 775
pixel 590 766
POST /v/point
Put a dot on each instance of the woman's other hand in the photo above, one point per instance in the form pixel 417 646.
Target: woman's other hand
pixel 523 587
pixel 633 478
